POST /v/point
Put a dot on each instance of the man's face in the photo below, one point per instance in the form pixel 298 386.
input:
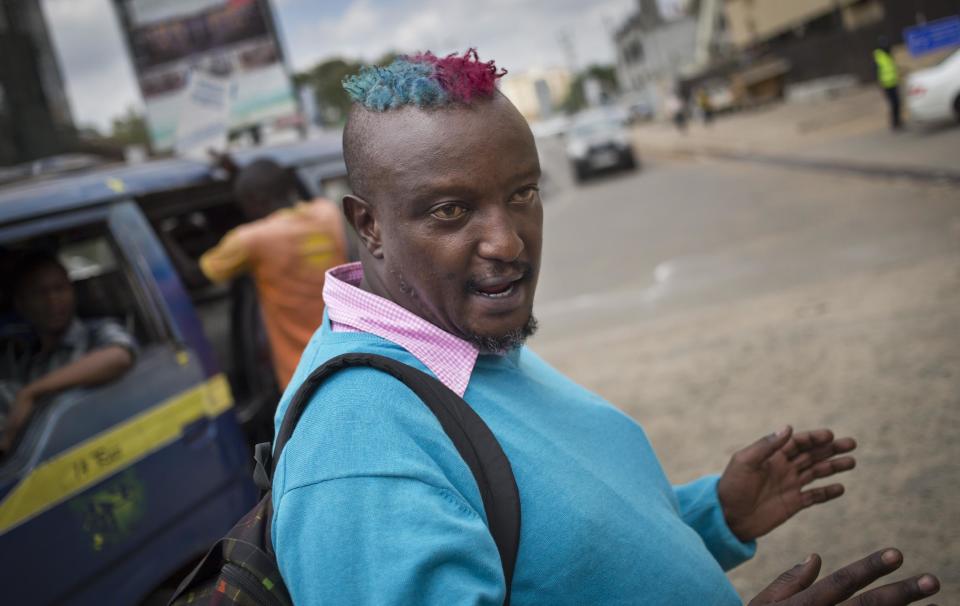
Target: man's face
pixel 46 299
pixel 459 218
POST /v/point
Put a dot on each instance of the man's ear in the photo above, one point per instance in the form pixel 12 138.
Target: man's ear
pixel 362 216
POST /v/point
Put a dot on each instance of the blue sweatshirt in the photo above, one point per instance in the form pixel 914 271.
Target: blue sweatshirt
pixel 374 505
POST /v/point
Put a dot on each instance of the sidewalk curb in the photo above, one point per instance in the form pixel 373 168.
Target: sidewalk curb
pixel 914 173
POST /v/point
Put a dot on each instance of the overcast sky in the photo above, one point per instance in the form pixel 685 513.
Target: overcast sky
pixel 519 34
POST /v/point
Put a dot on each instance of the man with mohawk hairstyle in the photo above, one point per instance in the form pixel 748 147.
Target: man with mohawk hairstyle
pixel 373 504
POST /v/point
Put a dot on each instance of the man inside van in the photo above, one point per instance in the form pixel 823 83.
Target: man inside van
pixel 60 351
pixel 287 247
pixel 372 502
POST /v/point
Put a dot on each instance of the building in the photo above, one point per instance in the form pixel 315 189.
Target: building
pixel 653 52
pixel 820 38
pixel 750 22
pixel 35 118
pixel 537 93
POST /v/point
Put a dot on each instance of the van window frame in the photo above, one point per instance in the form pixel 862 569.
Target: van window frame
pixel 99 220
pixel 146 290
pixel 157 322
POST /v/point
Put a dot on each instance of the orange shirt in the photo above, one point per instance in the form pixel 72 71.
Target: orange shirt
pixel 287 253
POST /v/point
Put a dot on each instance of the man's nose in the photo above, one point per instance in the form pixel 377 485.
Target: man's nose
pixel 500 239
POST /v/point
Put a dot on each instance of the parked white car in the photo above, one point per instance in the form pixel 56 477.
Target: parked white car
pixel 599 140
pixel 933 94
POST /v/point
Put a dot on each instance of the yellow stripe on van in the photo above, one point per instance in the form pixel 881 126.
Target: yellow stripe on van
pixel 87 463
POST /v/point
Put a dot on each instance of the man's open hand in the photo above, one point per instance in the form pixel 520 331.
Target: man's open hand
pixel 762 486
pixel 796 587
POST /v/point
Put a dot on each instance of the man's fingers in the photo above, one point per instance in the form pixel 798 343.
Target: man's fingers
pixel 903 592
pixel 850 579
pixel 819 453
pixel 828 468
pixel 790 582
pixel 806 440
pixel 819 443
pixel 820 495
pixel 763 449
pixel 844 445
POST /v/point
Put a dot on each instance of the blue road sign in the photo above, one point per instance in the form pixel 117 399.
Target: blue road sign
pixel 932 36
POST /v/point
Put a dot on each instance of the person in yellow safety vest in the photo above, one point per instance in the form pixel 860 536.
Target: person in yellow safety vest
pixel 889 80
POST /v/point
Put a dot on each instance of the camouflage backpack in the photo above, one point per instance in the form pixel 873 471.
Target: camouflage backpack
pixel 241 568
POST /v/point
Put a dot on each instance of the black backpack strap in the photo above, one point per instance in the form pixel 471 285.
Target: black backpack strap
pixel 468 432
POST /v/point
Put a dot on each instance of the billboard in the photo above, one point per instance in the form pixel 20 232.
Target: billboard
pixel 174 41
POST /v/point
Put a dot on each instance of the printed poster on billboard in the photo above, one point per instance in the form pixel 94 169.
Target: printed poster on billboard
pixel 203 123
pixel 225 40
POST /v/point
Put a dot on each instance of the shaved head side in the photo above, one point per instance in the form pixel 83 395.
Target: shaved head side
pixel 358 136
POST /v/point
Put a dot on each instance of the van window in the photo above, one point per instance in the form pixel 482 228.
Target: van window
pixel 62 296
pixel 190 222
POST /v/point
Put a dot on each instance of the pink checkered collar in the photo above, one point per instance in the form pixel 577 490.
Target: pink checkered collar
pixel 352 309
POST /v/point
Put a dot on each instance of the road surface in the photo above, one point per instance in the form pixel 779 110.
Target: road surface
pixel 716 301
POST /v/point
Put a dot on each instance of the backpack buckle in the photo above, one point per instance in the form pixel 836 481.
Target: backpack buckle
pixel 263 455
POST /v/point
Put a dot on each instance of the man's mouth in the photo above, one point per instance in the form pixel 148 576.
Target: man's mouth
pixel 497 288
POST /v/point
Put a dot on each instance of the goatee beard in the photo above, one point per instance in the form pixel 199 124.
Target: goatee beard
pixel 506 342
pixel 499 344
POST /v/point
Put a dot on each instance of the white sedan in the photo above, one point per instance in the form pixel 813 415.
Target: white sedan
pixel 933 94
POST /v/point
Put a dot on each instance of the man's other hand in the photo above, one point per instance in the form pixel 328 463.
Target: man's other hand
pixel 762 486
pixel 796 587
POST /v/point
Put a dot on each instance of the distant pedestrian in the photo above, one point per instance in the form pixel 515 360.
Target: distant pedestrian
pixel 706 108
pixel 889 80
pixel 677 109
pixel 287 248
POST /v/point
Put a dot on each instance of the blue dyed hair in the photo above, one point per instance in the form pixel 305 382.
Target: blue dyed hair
pixel 424 80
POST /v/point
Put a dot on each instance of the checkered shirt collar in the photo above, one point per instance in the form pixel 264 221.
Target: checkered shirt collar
pixel 352 309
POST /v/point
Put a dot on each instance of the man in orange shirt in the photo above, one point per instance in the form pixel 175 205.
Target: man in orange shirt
pixel 287 248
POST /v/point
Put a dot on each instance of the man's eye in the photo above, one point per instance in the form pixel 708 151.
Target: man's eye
pixel 526 195
pixel 448 212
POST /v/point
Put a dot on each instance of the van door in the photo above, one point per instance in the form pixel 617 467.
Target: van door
pixel 112 489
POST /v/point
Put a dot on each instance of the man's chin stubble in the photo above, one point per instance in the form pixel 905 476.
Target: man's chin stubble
pixel 486 344
pixel 506 342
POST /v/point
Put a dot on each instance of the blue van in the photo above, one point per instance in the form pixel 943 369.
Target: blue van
pixel 112 493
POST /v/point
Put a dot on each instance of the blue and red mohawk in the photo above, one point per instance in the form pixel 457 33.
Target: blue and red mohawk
pixel 424 80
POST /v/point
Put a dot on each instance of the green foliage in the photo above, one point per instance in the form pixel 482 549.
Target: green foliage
pixel 325 79
pixel 576 98
pixel 130 129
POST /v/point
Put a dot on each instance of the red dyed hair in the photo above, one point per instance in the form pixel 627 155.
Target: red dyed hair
pixel 464 77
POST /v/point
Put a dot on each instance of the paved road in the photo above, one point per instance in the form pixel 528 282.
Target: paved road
pixel 715 301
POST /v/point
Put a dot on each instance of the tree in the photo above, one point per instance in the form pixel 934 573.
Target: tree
pixel 576 98
pixel 326 78
pixel 130 129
